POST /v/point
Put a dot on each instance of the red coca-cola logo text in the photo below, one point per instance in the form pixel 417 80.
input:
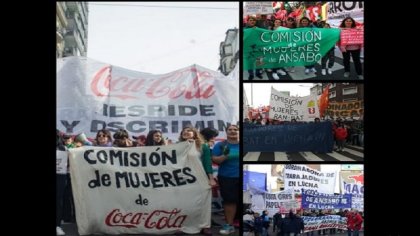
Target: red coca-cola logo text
pixel 158 219
pixel 171 86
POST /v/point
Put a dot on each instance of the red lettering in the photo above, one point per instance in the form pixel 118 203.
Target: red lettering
pixel 164 221
pixel 123 83
pixel 136 219
pixel 158 219
pixel 171 86
pixel 111 220
pixel 124 218
pixel 98 77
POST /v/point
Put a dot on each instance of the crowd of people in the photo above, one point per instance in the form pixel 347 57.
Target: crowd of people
pixel 225 154
pixel 270 22
pixel 293 224
pixel 348 132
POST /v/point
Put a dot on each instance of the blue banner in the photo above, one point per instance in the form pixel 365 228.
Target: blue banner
pixel 296 137
pixel 313 200
pixel 254 180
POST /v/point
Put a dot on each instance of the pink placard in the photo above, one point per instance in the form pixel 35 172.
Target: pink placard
pixel 352 36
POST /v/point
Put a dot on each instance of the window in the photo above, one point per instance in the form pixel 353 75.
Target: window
pixel 227 48
pixel 331 94
pixel 350 90
pixel 349 99
pixel 332 85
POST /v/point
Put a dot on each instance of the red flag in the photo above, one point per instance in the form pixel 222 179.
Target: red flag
pixel 323 101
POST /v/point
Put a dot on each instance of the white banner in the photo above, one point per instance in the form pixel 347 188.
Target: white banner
pixel 357 202
pixel 147 190
pixel 253 8
pixel 337 11
pixel 301 176
pixel 61 162
pixel 281 201
pixel 324 222
pixel 245 105
pixel 274 202
pixel 92 95
pixel 258 204
pixel 285 108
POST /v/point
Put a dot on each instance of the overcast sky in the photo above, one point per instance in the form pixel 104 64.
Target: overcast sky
pixel 261 92
pixel 159 37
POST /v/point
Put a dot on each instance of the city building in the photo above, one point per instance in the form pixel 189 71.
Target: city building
pixel 71 28
pixel 346 100
pixel 341 92
pixel 229 51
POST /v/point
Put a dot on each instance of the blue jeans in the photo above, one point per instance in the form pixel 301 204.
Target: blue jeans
pixel 264 232
pixel 356 232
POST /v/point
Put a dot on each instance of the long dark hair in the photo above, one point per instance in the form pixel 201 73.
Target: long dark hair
pixel 353 24
pixel 151 142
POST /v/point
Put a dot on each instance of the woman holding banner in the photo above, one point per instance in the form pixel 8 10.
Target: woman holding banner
pixel 226 154
pixel 202 152
pixel 280 70
pixel 305 23
pixel 351 49
pixel 291 24
pixel 155 138
pixel 252 21
pixel 103 138
pixel 121 139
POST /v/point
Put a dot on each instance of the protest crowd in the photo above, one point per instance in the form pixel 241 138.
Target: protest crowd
pixel 281 38
pixel 222 154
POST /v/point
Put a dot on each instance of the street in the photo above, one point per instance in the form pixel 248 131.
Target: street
pixel 349 153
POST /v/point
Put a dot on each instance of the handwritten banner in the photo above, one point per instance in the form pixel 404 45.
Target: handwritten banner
pixel 286 108
pixel 139 190
pixel 290 137
pixel 357 202
pixel 252 8
pixel 324 222
pixel 314 200
pixel 351 36
pixel 61 162
pixel 282 201
pixel 286 47
pixel 301 176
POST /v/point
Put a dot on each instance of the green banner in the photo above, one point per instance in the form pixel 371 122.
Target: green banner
pixel 286 47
